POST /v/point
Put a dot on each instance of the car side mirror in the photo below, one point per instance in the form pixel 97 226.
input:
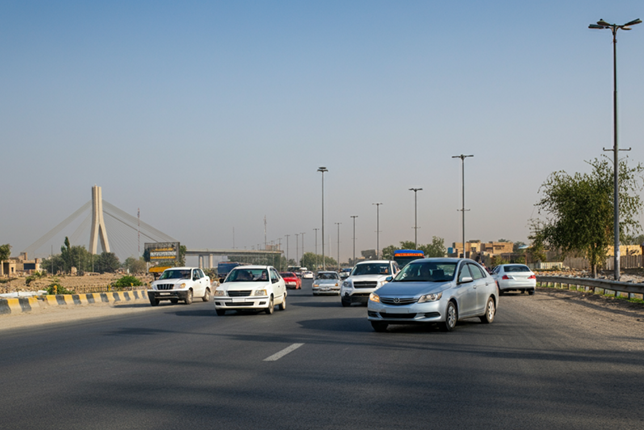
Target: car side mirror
pixel 465 280
pixel 389 278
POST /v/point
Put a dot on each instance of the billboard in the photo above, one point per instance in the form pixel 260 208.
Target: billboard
pixel 160 251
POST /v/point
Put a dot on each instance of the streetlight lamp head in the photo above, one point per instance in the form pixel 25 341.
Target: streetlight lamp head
pixel 597 27
pixel 633 22
pixel 322 169
pixel 603 23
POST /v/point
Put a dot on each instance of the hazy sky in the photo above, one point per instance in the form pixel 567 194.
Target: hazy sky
pixel 210 115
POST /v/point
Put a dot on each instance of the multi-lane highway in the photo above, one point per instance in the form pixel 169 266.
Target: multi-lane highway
pixel 542 364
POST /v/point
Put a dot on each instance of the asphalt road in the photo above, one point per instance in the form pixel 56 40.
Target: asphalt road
pixel 178 366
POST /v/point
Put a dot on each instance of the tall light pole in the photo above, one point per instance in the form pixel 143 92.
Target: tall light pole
pixel 354 237
pixel 463 157
pixel 297 250
pixel 287 248
pixel 601 25
pixel 415 190
pixel 316 248
pixel 322 170
pixel 338 224
pixel 377 229
pixel 302 236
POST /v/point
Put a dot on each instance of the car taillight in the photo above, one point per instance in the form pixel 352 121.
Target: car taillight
pixel 532 277
pixel 506 277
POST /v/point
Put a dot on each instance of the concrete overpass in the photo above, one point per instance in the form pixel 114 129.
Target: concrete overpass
pixel 257 257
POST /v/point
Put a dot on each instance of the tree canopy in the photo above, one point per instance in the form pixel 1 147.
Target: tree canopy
pixel 5 251
pixel 579 209
pixel 434 249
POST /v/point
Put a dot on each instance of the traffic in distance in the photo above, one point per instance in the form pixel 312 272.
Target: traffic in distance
pixel 425 291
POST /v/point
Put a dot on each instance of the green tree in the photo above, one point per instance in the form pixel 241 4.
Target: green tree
pixel 580 209
pixel 434 249
pixel 5 251
pixel 313 261
pixel 107 262
pixel 134 265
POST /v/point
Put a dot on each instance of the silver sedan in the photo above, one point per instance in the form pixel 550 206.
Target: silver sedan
pixel 435 290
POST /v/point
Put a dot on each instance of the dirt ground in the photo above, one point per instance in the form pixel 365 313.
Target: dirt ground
pixel 78 284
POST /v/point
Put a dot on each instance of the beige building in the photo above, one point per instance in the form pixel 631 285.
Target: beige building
pixel 20 264
pixel 487 248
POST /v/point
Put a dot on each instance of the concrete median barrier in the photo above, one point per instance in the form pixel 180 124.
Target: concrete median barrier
pixel 13 306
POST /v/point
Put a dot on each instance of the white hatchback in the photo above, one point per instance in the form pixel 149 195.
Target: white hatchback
pixel 251 288
pixel 515 277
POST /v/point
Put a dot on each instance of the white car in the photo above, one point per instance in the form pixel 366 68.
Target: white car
pixel 251 288
pixel 326 283
pixel 365 278
pixel 180 283
pixel 515 277
pixel 307 275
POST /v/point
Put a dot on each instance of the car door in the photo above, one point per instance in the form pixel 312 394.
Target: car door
pixel 278 285
pixel 482 286
pixel 465 292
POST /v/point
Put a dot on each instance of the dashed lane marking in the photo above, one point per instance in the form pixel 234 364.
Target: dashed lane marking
pixel 283 352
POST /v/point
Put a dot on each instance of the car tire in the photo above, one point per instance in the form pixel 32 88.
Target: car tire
pixel 206 295
pixel 531 292
pixel 379 326
pixel 154 302
pixel 221 312
pixel 188 299
pixel 490 312
pixel 451 317
pixel 174 301
pixel 271 306
pixel 282 306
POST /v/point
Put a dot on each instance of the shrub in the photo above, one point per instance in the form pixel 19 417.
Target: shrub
pixel 127 281
pixel 55 288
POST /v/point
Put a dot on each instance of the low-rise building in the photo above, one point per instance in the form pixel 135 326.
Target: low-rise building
pixel 21 264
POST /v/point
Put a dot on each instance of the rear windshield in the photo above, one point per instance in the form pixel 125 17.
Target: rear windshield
pixel 517 268
pixel 287 275
pixel 328 276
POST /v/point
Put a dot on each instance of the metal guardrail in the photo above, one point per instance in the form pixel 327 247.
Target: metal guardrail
pixel 591 284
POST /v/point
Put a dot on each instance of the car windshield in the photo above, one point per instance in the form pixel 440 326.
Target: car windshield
pixel 327 276
pixel 426 272
pixel 371 269
pixel 176 274
pixel 518 268
pixel 248 275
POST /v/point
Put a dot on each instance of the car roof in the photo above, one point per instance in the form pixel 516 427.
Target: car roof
pixel 252 267
pixel 373 261
pixel 327 271
pixel 180 268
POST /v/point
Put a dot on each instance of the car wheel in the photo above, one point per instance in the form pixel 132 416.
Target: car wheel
pixel 221 312
pixel 379 326
pixel 490 311
pixel 271 306
pixel 282 305
pixel 174 301
pixel 154 302
pixel 206 296
pixel 188 299
pixel 451 316
pixel 531 292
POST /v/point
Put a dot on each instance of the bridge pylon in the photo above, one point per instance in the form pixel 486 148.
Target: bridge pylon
pixel 98 223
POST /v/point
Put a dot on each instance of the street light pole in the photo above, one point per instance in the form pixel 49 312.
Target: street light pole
pixel 338 224
pixel 316 248
pixel 601 25
pixel 354 237
pixel 302 235
pixel 415 190
pixel 287 248
pixel 322 170
pixel 463 157
pixel 297 249
pixel 377 229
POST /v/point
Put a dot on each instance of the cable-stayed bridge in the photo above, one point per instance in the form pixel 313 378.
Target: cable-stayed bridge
pixel 93 221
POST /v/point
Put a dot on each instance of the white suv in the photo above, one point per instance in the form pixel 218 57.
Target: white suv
pixel 180 283
pixel 366 277
pixel 251 288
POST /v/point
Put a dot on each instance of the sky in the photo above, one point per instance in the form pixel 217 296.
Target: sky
pixel 210 115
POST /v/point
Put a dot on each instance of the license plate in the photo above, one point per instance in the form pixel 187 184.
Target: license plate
pixel 238 300
pixel 164 294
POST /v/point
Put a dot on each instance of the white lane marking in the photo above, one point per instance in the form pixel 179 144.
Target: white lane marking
pixel 283 352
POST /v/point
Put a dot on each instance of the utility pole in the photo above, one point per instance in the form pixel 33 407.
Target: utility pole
pixel 377 230
pixel 415 190
pixel 287 248
pixel 338 224
pixel 302 235
pixel 463 210
pixel 265 242
pixel 322 170
pixel 297 249
pixel 354 237
pixel 316 248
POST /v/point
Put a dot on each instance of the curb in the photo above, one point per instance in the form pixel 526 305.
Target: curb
pixel 35 304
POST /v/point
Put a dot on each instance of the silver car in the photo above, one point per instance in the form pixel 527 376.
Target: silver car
pixel 326 283
pixel 435 290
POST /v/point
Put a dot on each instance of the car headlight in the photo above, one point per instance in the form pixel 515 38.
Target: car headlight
pixel 260 293
pixel 182 285
pixel 220 292
pixel 373 297
pixel 315 285
pixel 346 284
pixel 430 297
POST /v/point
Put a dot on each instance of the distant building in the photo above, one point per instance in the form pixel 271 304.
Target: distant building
pixel 20 264
pixel 478 247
